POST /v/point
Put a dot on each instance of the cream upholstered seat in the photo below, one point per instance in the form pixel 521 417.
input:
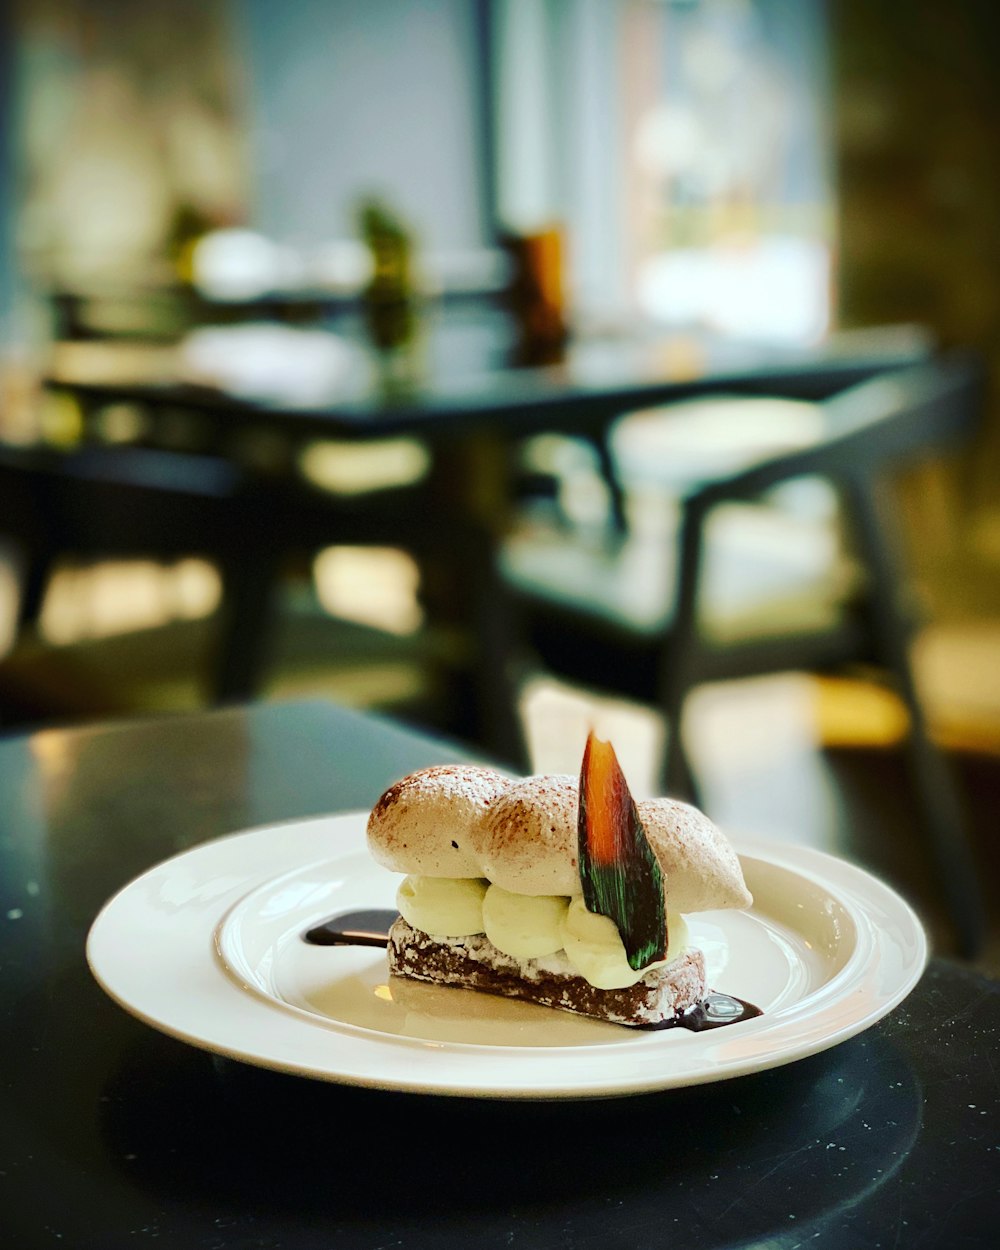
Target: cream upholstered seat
pixel 767 572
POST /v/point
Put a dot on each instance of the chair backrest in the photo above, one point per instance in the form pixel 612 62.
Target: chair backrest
pixel 892 419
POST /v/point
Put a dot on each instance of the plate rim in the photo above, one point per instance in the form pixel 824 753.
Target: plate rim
pixel 853 886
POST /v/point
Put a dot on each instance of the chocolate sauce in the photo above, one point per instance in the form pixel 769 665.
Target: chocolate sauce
pixel 714 1012
pixel 353 928
pixel 371 928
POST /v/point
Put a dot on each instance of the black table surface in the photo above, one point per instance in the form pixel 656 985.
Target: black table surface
pixel 114 1135
pixel 462 382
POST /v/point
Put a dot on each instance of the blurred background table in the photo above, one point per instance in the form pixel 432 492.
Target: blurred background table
pixel 267 397
pixel 114 1133
pixel 461 382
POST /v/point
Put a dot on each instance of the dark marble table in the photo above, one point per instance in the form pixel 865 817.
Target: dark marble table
pixel 113 1135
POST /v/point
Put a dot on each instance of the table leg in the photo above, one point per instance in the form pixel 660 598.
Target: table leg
pixel 462 592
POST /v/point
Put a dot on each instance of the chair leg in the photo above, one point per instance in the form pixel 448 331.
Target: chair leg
pixel 678 659
pixel 941 810
pixel 612 480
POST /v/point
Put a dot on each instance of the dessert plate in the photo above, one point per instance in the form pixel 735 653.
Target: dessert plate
pixel 208 947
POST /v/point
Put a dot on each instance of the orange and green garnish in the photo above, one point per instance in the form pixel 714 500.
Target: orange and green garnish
pixel 621 876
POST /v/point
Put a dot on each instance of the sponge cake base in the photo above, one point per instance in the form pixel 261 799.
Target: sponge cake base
pixel 474 963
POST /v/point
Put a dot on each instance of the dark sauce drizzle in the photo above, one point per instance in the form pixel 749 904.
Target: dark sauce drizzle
pixel 713 1012
pixel 353 928
pixel 371 928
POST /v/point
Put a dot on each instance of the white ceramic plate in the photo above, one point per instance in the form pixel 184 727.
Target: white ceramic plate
pixel 207 947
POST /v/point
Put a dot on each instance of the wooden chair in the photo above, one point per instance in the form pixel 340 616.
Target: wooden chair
pixel 580 620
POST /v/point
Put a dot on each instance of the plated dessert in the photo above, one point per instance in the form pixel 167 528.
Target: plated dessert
pixel 231 964
pixel 557 890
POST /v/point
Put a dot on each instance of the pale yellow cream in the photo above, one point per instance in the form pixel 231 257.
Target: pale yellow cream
pixel 529 927
pixel 594 947
pixel 522 925
pixel 442 906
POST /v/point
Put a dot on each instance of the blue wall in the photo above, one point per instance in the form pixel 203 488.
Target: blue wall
pixel 347 97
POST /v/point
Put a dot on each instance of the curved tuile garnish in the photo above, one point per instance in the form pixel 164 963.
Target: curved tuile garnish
pixel 621 876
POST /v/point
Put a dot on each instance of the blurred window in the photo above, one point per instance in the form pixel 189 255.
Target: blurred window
pixel 683 145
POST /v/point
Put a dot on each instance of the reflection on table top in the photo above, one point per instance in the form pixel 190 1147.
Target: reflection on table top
pixel 139 1134
pixel 458 378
